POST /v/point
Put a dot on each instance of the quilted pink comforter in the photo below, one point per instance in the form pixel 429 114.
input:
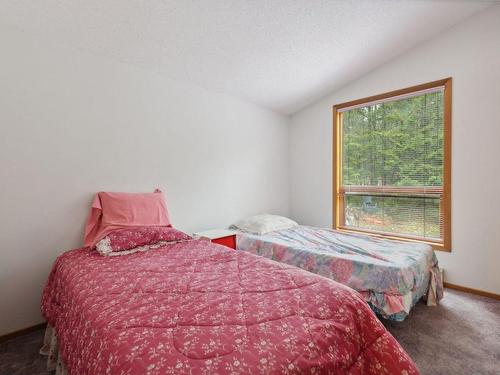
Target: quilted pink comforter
pixel 200 308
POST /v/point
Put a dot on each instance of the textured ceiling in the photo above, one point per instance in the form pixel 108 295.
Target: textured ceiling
pixel 282 54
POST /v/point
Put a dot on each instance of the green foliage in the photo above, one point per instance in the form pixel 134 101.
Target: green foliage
pixel 397 143
pixel 403 215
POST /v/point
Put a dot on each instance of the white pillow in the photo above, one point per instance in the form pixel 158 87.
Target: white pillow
pixel 264 223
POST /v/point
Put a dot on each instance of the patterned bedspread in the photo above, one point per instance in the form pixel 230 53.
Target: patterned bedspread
pixel 201 308
pixel 391 275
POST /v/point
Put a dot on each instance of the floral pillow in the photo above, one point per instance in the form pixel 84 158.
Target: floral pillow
pixel 131 240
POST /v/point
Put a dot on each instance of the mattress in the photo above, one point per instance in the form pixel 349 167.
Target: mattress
pixel 201 308
pixel 391 275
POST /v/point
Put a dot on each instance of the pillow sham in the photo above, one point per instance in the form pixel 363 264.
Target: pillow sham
pixel 264 223
pixel 131 240
pixel 111 211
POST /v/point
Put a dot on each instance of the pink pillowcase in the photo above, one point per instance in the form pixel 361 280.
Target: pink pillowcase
pixel 111 211
pixel 131 240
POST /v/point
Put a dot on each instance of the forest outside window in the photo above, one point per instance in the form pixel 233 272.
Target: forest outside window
pixel 392 164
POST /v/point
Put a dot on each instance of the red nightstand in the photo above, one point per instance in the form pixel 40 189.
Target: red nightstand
pixel 220 236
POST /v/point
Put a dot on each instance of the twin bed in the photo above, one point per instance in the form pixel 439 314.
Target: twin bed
pixel 200 308
pixel 391 275
pixel 183 305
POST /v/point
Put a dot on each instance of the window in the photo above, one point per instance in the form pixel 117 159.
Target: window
pixel 392 164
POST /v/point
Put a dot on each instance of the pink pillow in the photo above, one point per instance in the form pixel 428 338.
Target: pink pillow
pixel 111 211
pixel 131 240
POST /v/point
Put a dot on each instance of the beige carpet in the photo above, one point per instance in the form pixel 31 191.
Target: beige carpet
pixel 461 336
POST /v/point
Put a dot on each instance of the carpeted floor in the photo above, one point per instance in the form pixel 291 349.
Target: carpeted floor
pixel 20 356
pixel 461 336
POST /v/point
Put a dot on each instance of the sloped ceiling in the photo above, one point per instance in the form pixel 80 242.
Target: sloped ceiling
pixel 281 54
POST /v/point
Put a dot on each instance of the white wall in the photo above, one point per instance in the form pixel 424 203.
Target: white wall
pixel 470 53
pixel 72 124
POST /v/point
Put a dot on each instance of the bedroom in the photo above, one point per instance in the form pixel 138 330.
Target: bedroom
pixel 228 109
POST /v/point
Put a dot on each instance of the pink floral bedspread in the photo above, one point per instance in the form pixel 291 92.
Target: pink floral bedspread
pixel 201 308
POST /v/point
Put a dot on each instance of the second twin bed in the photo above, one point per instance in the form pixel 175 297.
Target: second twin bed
pixel 391 275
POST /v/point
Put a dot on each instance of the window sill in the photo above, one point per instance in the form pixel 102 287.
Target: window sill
pixel 436 245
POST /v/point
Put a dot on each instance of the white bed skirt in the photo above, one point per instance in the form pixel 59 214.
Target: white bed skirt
pixel 50 348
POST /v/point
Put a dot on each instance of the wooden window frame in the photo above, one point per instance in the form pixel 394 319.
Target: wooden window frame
pixel 445 191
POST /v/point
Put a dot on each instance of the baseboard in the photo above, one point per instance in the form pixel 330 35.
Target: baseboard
pixel 472 290
pixel 21 332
